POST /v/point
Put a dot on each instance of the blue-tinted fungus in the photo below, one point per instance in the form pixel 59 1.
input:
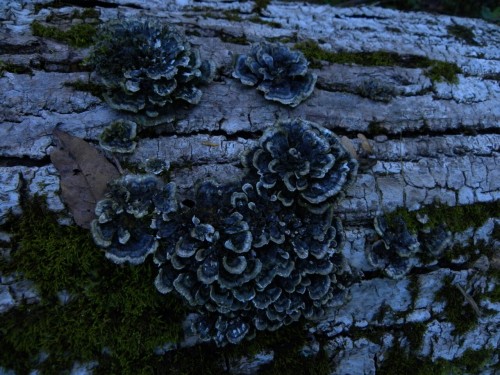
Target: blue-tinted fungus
pixel 281 74
pixel 147 65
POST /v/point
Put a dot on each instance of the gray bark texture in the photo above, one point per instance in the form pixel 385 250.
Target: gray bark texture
pixel 432 142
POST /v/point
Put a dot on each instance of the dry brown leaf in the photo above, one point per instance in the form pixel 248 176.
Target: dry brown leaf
pixel 85 174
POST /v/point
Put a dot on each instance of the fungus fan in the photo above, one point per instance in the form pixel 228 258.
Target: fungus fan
pixel 398 250
pixel 147 65
pixel 281 74
pixel 301 162
pixel 122 226
pixel 246 263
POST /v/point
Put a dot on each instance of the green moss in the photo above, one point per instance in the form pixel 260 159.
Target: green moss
pixel 260 5
pixel 226 38
pixel 231 15
pixel 441 71
pixel 399 362
pixel 285 343
pixel 115 314
pixel 436 70
pixel 284 39
pixel 473 361
pixel 79 36
pixel 202 359
pixel 413 287
pixel 313 51
pixel 257 19
pixel 87 86
pixel 113 309
pixel 462 33
pixel 13 68
pixel 494 295
pixel 456 311
pixel 457 218
pixel 53 4
pixel 314 365
pixel 414 333
pixel 88 13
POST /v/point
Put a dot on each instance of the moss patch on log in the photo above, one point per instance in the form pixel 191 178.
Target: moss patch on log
pixel 462 33
pixel 456 218
pixel 456 310
pixel 78 36
pixel 399 362
pixel 13 68
pixel 436 70
pixel 114 314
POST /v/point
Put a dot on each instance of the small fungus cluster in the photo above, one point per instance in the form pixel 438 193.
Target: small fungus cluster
pixel 251 255
pixel 301 162
pixel 281 74
pixel 398 250
pixel 119 136
pixel 145 66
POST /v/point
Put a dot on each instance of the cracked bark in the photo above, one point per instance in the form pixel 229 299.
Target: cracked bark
pixel 432 140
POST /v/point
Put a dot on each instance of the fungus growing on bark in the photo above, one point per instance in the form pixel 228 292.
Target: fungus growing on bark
pixel 119 137
pixel 301 162
pixel 398 250
pixel 252 255
pixel 281 74
pixel 147 65
pixel 247 263
pixel 122 226
pixel 395 251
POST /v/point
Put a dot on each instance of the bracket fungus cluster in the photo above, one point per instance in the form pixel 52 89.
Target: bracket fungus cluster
pixel 147 65
pixel 281 74
pixel 398 250
pixel 250 255
pixel 122 224
pixel 301 162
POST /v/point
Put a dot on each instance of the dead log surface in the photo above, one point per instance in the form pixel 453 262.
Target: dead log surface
pixel 433 141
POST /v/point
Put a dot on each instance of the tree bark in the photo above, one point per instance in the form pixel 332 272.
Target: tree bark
pixel 431 141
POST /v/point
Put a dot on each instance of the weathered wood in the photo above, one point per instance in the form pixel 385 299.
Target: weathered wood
pixel 432 141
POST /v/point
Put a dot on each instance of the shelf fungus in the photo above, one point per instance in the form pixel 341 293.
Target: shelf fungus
pixel 281 74
pixel 147 65
pixel 301 162
pixel 122 227
pixel 247 263
pixel 250 255
pixel 119 137
pixel 398 250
